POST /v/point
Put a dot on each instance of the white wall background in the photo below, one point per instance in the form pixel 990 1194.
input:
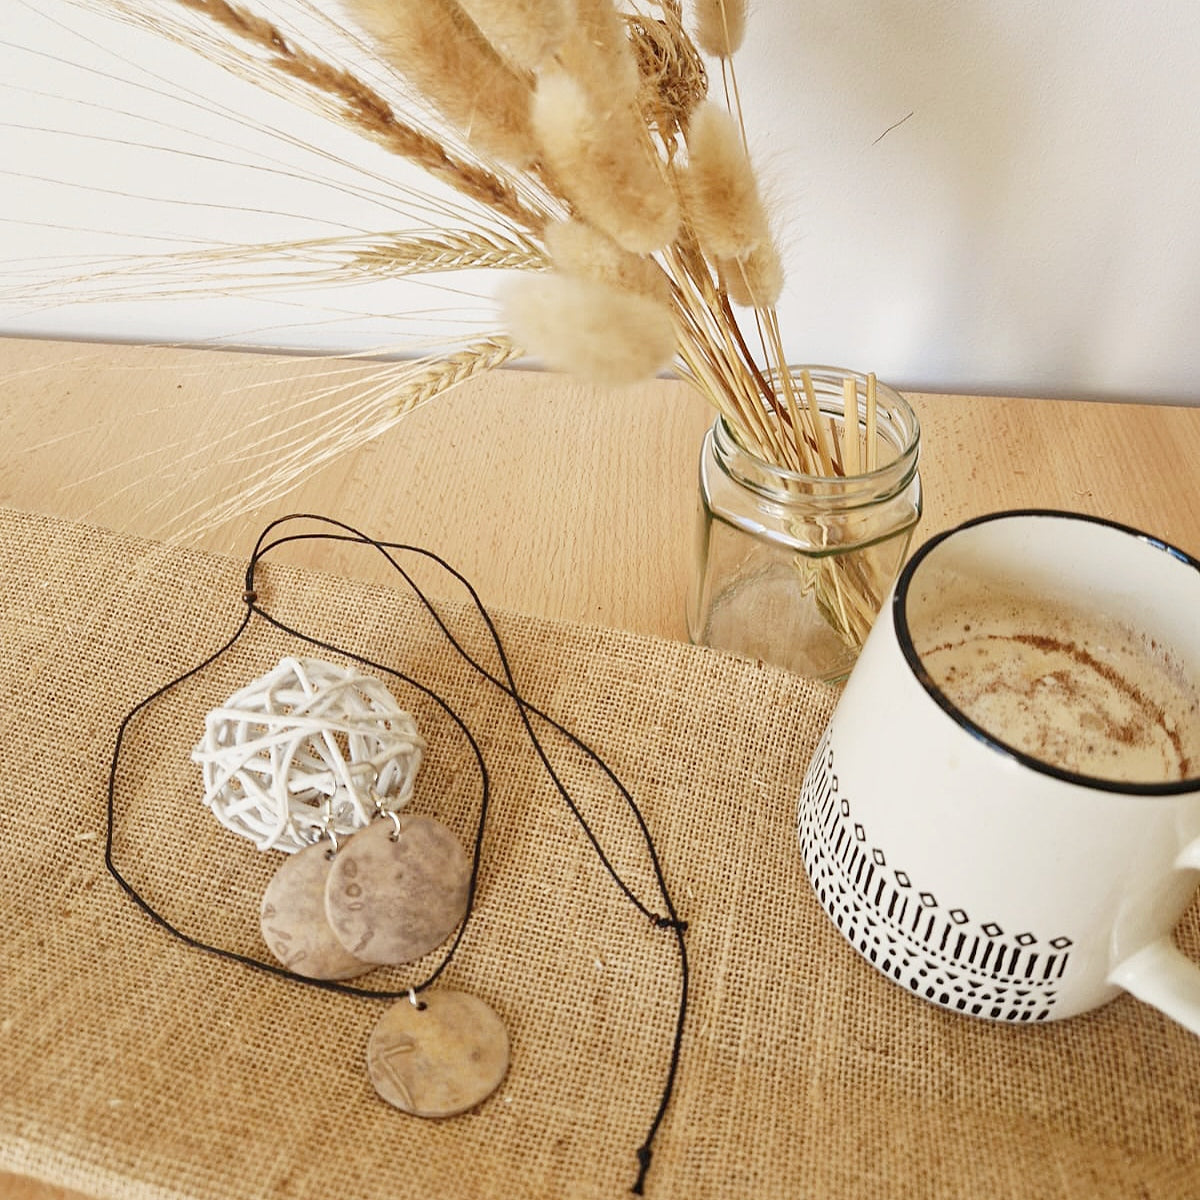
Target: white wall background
pixel 980 195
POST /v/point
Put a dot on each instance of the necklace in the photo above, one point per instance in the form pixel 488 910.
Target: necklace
pixel 439 1026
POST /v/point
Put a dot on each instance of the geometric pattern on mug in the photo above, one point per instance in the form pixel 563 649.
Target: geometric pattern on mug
pixel 937 952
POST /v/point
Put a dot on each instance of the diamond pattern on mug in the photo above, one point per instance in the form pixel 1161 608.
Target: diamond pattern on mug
pixel 939 954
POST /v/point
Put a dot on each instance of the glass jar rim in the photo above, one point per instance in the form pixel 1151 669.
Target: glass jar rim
pixel 779 482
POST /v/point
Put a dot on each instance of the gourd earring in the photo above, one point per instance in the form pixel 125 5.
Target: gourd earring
pixel 312 750
pixel 397 889
pixel 293 921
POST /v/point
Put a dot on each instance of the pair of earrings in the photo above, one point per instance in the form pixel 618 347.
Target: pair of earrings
pixel 388 894
pixel 365 885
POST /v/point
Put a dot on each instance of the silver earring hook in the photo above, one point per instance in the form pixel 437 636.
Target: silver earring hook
pixel 390 813
pixel 395 819
pixel 326 826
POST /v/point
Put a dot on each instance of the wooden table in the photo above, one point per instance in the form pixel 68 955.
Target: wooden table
pixel 553 498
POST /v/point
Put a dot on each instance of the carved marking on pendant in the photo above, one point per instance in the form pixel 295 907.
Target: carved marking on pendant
pixel 389 1060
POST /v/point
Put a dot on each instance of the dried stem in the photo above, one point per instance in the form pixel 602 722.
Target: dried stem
pixel 872 423
pixel 448 60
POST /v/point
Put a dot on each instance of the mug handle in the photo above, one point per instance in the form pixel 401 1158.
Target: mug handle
pixel 1160 974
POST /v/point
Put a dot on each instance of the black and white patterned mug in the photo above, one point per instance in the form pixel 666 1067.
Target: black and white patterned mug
pixel 1003 814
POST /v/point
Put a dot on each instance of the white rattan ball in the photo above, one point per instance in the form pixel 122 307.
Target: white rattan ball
pixel 308 747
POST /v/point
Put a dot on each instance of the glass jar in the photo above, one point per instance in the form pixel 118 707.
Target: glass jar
pixel 791 569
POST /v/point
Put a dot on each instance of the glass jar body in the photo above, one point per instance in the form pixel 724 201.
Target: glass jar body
pixel 791 569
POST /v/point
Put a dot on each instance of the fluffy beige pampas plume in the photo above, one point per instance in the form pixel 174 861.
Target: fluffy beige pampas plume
pixel 440 50
pixel 605 165
pixel 576 248
pixel 755 281
pixel 720 192
pixel 527 31
pixel 720 26
pixel 593 330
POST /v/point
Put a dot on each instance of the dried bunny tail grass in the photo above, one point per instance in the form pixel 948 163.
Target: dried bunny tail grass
pixel 593 330
pixel 526 31
pixel 599 57
pixel 605 165
pixel 755 281
pixel 343 95
pixel 442 53
pixel 719 188
pixel 576 248
pixel 720 26
pixel 448 371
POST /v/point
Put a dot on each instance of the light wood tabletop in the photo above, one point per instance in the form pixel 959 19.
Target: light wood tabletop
pixel 553 498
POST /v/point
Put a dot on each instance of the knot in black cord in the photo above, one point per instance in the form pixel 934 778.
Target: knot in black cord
pixel 644 1155
pixel 668 923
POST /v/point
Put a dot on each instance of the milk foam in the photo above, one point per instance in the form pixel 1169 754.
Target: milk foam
pixel 1075 690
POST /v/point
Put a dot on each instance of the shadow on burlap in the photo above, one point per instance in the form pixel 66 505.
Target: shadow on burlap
pixel 136 1066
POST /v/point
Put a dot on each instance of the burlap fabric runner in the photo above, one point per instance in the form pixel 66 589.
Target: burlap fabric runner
pixel 134 1066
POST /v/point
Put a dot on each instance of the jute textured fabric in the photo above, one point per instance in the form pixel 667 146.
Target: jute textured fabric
pixel 136 1066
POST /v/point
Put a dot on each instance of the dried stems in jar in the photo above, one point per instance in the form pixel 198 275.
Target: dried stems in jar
pixel 576 149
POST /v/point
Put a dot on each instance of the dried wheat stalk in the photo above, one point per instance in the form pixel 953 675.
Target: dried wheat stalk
pixel 260 51
pixel 232 269
pixel 448 371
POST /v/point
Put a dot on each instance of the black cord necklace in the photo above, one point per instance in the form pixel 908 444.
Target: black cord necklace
pixel 337 531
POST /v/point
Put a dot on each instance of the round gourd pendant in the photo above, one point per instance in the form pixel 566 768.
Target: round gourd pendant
pixel 396 891
pixel 440 1056
pixel 293 920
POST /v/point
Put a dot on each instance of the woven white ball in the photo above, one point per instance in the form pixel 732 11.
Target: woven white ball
pixel 307 747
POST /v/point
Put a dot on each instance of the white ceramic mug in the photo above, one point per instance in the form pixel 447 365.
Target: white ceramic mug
pixel 974 875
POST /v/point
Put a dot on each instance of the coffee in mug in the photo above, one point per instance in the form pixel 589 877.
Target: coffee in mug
pixel 1065 685
pixel 1003 813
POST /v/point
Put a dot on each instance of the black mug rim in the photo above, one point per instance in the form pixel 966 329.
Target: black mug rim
pixel 900 623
